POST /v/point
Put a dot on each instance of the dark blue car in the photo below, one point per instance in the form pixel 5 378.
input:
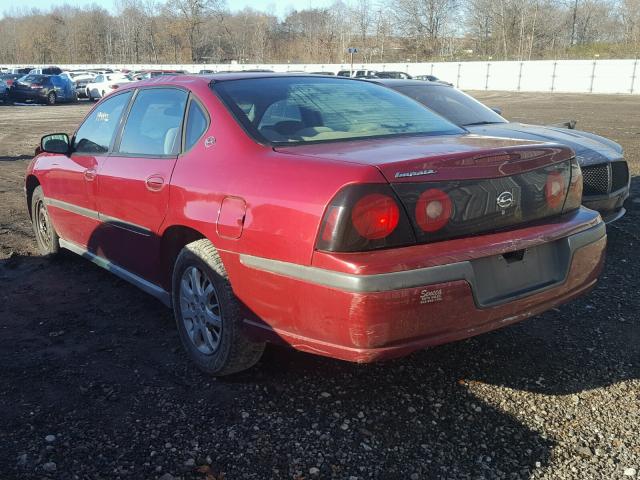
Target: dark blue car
pixel 49 89
pixel 604 169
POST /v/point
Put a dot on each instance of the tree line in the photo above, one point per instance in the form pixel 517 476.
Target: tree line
pixel 384 31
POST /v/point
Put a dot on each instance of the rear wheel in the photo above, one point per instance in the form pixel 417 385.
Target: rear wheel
pixel 46 236
pixel 208 314
pixel 51 98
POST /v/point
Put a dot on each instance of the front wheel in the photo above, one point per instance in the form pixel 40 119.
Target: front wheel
pixel 208 314
pixel 46 236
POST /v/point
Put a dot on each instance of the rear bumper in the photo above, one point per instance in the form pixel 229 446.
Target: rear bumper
pixel 28 96
pixel 382 315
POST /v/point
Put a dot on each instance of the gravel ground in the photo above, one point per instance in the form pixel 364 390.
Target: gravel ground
pixel 95 385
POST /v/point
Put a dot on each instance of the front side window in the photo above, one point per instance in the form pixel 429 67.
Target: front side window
pixel 99 79
pixel 97 131
pixel 452 104
pixel 153 124
pixel 196 124
pixel 293 110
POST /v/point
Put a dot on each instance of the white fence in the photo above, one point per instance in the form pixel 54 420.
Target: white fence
pixel 577 76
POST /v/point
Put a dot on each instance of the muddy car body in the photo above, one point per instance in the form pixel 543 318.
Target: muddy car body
pixel 263 208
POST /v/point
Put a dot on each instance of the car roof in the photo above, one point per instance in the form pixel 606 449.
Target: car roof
pixel 191 78
pixel 397 82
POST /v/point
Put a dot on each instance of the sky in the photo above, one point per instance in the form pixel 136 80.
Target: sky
pixel 281 6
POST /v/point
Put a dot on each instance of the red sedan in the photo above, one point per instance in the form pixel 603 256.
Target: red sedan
pixel 333 215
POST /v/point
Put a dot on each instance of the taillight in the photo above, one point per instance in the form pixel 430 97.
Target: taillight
pixel 433 210
pixel 574 195
pixel 555 190
pixel 364 217
pixel 375 216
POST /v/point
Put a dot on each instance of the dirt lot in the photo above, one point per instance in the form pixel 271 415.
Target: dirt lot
pixel 94 384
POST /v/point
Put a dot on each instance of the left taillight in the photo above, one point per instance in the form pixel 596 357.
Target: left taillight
pixel 364 217
pixel 433 210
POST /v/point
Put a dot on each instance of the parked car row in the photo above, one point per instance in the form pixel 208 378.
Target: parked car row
pixel 52 85
pixel 338 216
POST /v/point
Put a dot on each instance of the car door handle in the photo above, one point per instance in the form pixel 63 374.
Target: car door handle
pixel 154 183
pixel 90 174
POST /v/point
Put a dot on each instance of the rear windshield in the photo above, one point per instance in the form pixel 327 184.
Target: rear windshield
pixel 298 110
pixel 33 78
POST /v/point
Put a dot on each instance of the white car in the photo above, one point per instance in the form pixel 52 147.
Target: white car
pixel 104 84
pixel 357 73
pixel 77 76
pixel 80 79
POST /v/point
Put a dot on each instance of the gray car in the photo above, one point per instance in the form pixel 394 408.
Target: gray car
pixel 605 171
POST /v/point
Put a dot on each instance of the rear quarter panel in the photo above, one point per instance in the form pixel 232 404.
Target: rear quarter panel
pixel 285 194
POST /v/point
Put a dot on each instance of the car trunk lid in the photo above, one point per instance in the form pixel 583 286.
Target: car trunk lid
pixel 459 186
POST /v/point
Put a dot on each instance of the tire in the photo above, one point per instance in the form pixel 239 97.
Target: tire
pixel 51 98
pixel 46 236
pixel 208 314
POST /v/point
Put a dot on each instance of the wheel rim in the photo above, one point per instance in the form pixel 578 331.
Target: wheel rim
pixel 43 225
pixel 200 310
pixel 52 98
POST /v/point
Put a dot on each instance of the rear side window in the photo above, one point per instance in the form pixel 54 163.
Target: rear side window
pixel 154 123
pixel 196 124
pixel 96 133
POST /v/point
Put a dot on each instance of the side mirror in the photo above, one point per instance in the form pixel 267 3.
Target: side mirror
pixel 55 143
pixel 497 110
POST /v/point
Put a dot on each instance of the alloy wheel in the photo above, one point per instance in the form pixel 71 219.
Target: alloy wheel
pixel 43 225
pixel 200 310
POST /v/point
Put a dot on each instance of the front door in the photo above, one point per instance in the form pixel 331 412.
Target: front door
pixel 71 181
pixel 133 182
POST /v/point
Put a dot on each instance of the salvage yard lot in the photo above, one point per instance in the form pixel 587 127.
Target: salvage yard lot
pixel 96 365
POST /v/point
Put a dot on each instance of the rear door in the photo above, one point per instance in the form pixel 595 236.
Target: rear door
pixel 133 192
pixel 58 85
pixel 70 181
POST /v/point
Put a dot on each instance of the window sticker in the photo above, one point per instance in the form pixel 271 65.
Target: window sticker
pixel 102 117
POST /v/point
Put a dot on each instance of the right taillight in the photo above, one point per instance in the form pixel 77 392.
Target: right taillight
pixel 364 217
pixel 574 195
